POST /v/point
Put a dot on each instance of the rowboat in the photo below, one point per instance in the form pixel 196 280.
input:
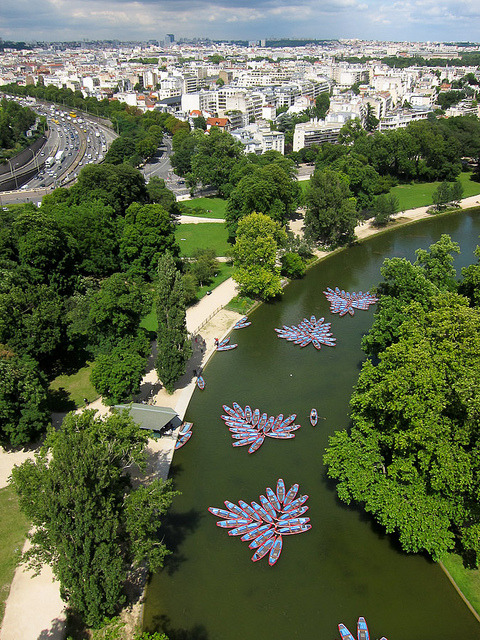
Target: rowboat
pixel 223 342
pixel 230 411
pixel 278 421
pixel 362 630
pixel 222 513
pixel 238 410
pixel 261 512
pixel 245 441
pixel 269 424
pixel 287 508
pixel 227 347
pixel 243 529
pixel 313 417
pixel 255 417
pixel 344 632
pixel 291 493
pixel 293 522
pixel 272 498
pixel 280 490
pixel 257 444
pixel 263 550
pixel 262 422
pixel 230 524
pixel 183 440
pixel 185 428
pixel 289 531
pixel 268 507
pixel 275 551
pixel 248 509
pixel 200 383
pixel 248 414
pixel 296 513
pixel 287 421
pixel 261 539
pixel 255 532
pixel 234 508
pixel 280 435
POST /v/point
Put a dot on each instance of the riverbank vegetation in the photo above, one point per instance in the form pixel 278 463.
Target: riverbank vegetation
pixel 15 121
pixel 411 456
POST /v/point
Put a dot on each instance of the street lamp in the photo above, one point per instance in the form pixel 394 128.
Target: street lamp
pixel 14 175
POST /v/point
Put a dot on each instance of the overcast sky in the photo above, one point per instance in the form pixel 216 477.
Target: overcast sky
pixel 417 20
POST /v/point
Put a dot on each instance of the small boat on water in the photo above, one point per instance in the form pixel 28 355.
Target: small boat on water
pixel 200 383
pixel 291 493
pixel 227 347
pixel 273 499
pixel 313 417
pixel 257 444
pixel 344 632
pixel 183 440
pixel 281 490
pixel 263 550
pixel 185 428
pixel 362 630
pixel 275 551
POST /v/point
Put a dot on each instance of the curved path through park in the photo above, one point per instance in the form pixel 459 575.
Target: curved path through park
pixel 34 610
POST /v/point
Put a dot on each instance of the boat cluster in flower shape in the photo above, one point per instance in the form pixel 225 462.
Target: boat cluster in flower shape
pixel 251 427
pixel 343 302
pixel 308 331
pixel 263 524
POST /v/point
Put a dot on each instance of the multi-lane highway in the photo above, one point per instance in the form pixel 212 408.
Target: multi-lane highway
pixel 73 142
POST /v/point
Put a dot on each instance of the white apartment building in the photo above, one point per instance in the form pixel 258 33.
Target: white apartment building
pixel 315 133
pixel 401 119
pixel 258 138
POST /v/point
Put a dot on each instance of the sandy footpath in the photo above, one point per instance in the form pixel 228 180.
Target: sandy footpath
pixel 34 609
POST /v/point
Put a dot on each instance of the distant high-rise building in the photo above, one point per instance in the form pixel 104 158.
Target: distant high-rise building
pixel 169 39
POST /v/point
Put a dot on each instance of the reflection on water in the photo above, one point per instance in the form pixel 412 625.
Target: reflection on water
pixel 345 566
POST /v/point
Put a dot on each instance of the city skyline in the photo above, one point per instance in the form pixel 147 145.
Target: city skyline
pixel 428 20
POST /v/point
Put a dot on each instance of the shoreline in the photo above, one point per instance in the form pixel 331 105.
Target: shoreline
pixel 207 321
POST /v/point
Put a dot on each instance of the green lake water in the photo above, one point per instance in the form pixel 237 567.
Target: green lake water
pixel 345 566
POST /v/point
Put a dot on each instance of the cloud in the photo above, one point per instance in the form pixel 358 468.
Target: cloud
pixel 240 19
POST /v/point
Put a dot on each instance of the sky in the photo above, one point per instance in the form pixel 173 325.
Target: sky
pixel 419 20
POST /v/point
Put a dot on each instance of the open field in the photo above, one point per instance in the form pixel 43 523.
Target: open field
pixel 208 235
pixel 212 207
pixel 13 530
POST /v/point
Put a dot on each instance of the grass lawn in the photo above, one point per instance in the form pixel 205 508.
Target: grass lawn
pixel 411 196
pixel 468 580
pixel 13 530
pixel 212 207
pixel 68 391
pixel 207 235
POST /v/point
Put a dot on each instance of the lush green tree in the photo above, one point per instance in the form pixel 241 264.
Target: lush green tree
pixel 44 249
pixel 103 317
pixel 331 215
pixel 322 105
pixel 371 121
pixel 121 150
pixel 363 181
pixel 255 256
pixel 148 232
pixel 384 207
pixel 215 157
pixel 173 347
pixel 442 195
pixel 203 266
pixel 24 413
pixel 293 266
pixel 470 283
pixel 412 455
pixel 89 525
pixel 403 283
pixel 351 132
pixel 268 189
pixel 117 375
pixel 32 318
pixel 115 185
pixel 184 145
pixel 457 191
pixel 95 230
pixel 146 147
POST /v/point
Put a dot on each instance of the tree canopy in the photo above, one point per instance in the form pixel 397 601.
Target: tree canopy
pixel 90 526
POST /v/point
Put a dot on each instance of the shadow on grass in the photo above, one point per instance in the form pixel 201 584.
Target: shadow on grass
pixel 59 400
